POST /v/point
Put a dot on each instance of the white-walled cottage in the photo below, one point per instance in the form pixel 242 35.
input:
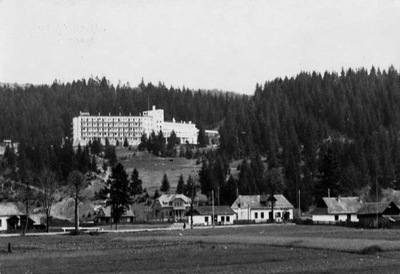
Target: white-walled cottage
pixel 258 208
pixel 203 215
pixel 337 209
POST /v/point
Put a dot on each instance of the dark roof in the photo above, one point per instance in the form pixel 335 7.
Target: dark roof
pixel 107 212
pixel 207 210
pixel 375 208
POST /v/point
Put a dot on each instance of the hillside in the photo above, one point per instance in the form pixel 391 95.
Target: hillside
pixel 331 130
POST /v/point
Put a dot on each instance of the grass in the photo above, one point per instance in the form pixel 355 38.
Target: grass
pixel 152 169
pixel 255 249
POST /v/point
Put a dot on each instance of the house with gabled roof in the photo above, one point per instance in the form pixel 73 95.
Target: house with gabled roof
pixel 258 208
pixel 103 216
pixel 378 214
pixel 203 215
pixel 171 207
pixel 9 216
pixel 337 209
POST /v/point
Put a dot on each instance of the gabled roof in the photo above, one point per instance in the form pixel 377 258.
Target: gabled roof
pixel 207 210
pixel 253 201
pixel 9 209
pixel 107 212
pixel 375 208
pixel 342 205
pixel 165 199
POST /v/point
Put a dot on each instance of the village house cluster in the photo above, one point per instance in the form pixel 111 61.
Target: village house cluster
pixel 87 128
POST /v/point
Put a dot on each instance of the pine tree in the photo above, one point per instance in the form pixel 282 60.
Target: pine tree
pixel 165 184
pixel 136 183
pixel 117 193
pixel 180 186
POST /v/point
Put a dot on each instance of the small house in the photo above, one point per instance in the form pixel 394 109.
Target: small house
pixel 258 208
pixel 104 216
pixel 337 209
pixel 9 217
pixel 380 214
pixel 203 215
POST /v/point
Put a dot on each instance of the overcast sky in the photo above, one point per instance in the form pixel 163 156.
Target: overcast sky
pixel 227 45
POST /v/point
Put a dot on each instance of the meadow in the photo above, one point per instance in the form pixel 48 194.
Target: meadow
pixel 246 249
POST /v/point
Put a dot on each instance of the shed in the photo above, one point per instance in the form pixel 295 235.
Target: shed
pixel 374 215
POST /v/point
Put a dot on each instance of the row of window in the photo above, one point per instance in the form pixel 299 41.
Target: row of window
pixel 110 134
pixel 112 119
pixel 277 215
pixel 85 129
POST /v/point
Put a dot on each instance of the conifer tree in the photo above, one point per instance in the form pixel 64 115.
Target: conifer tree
pixel 180 186
pixel 165 184
pixel 116 192
pixel 136 183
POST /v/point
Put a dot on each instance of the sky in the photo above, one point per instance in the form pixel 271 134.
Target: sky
pixel 200 44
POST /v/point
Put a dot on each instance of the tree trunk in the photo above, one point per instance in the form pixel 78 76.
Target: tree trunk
pixel 47 220
pixel 272 207
pixel 76 215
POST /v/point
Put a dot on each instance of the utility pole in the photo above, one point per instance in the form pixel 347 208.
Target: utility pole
pixel 299 205
pixel 377 218
pixel 329 192
pixel 212 197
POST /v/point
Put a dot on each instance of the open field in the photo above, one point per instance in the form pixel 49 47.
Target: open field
pixel 152 169
pixel 250 249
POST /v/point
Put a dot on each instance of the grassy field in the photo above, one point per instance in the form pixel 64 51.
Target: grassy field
pixel 152 169
pixel 250 249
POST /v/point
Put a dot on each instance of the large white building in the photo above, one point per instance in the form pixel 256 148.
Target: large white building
pixel 88 127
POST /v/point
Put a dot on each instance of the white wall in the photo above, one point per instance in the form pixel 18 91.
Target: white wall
pixel 331 218
pixel 3 220
pixel 225 221
pixel 242 213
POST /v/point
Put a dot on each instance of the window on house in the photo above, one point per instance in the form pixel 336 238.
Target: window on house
pixel 256 215
pixel 228 219
pixel 262 215
pixel 222 218
pixel 206 219
pixel 278 215
pixel 336 217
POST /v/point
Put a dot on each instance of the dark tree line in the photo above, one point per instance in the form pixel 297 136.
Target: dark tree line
pixel 336 131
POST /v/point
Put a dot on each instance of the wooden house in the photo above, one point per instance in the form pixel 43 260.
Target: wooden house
pixel 337 209
pixel 104 216
pixel 374 215
pixel 203 215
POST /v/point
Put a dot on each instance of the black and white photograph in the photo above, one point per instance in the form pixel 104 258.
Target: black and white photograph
pixel 199 136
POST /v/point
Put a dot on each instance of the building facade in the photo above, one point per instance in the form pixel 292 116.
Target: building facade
pixel 87 128
pixel 337 209
pixel 203 215
pixel 171 207
pixel 258 208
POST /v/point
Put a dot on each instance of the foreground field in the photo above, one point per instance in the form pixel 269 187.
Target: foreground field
pixel 251 249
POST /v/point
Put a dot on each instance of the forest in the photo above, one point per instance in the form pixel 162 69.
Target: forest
pixel 336 131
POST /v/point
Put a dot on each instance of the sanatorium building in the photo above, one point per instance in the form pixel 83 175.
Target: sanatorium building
pixel 87 127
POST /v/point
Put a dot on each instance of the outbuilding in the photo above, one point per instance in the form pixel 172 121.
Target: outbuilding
pixel 374 215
